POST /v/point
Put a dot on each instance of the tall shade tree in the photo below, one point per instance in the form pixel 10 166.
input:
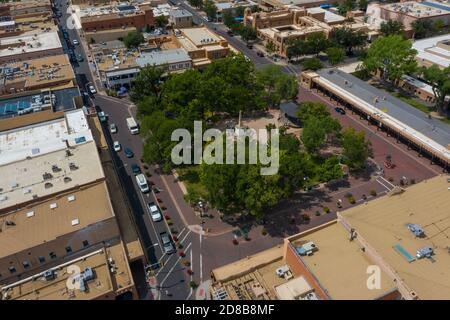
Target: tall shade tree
pixel 278 85
pixel 133 39
pixel 335 55
pixel 422 28
pixel 196 3
pixel 316 43
pixel 440 83
pixel 348 39
pixel 147 83
pixel 210 9
pixel 393 56
pixel 356 148
pixel 391 27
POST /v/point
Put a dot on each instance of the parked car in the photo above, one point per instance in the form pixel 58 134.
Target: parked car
pixel 155 212
pixel 75 42
pixel 80 58
pixel 230 33
pixel 92 89
pixel 102 116
pixel 339 110
pixel 117 146
pixel 168 246
pixel 113 128
pixel 128 153
pixel 135 169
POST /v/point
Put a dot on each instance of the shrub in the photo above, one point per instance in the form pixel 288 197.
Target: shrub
pixel 169 222
pixel 148 174
pixel 145 166
pixel 175 238
pixel 391 179
pixel 193 284
pixel 373 193
pixel 326 209
pixel 317 213
pixel 235 242
pixel 190 272
pixel 351 200
pixel 167 217
pixel 264 232
pixel 306 217
pixel 292 221
pixel 312 64
pixel 182 254
pixel 412 181
pixel 180 246
pixel 186 263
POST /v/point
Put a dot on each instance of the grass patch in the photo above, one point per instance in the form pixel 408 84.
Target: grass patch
pixel 191 178
pixel 412 102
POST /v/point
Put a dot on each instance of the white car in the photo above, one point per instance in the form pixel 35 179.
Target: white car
pixel 155 213
pixel 117 146
pixel 75 42
pixel 92 89
pixel 113 128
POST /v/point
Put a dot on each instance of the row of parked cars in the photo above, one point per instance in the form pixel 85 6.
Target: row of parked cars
pixel 153 209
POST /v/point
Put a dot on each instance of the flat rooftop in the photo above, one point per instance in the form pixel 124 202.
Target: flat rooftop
pixel 427 49
pixel 42 41
pixel 47 158
pixel 419 9
pixel 340 266
pixel 330 17
pixel 104 282
pixel 180 13
pixel 39 223
pixel 38 73
pixel 258 269
pixel 162 57
pixel 200 36
pixel 25 104
pixel 417 121
pixel 381 223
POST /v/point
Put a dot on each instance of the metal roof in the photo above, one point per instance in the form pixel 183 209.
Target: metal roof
pixel 433 129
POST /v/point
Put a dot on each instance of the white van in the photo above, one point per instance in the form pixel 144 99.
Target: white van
pixel 142 183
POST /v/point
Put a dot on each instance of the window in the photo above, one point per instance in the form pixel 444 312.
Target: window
pixel 85 243
pixel 12 269
pixel 68 249
pixel 52 255
pixel 26 264
pixel 41 259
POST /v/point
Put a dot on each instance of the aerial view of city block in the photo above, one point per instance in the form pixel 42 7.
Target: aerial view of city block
pixel 250 150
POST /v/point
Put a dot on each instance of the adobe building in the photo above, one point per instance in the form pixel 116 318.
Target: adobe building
pixel 116 17
pixel 390 248
pixel 63 232
pixel 280 27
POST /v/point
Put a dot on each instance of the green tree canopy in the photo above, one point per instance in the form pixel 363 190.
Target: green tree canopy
pixel 312 64
pixel 210 9
pixel 316 43
pixel 278 85
pixel 147 83
pixel 196 3
pixel 422 28
pixel 348 39
pixel 335 55
pixel 393 56
pixel 161 21
pixel 439 79
pixel 133 39
pixel 391 27
pixel 356 148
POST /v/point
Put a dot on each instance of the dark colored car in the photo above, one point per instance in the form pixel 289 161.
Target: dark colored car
pixel 260 54
pixel 339 110
pixel 128 153
pixel 230 33
pixel 135 169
